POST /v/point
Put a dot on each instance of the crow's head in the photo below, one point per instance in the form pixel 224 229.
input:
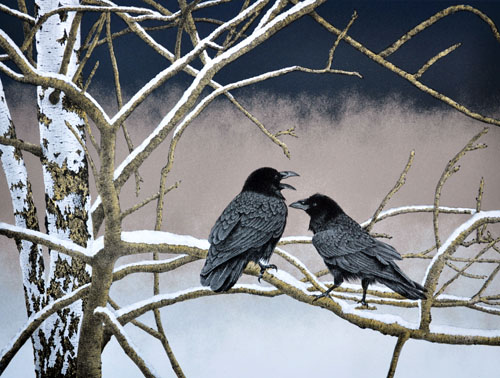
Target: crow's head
pixel 318 206
pixel 268 181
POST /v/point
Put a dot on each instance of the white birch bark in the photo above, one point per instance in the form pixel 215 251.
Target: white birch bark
pixel 30 254
pixel 65 173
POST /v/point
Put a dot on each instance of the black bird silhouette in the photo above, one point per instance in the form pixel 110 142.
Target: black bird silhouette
pixel 247 230
pixel 350 252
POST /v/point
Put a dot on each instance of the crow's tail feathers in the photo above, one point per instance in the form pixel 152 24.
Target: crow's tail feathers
pixel 224 276
pixel 410 290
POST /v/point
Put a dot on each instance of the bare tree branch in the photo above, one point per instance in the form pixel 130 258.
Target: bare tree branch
pixel 432 20
pixel 449 170
pixel 128 347
pixel 25 146
pixel 401 181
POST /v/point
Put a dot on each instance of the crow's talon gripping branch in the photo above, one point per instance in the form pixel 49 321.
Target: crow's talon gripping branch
pixel 326 293
pixel 264 267
pixel 322 295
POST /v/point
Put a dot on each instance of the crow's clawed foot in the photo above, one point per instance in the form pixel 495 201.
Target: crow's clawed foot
pixel 326 293
pixel 322 295
pixel 264 267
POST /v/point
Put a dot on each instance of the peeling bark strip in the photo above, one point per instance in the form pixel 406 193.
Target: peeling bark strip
pixel 65 173
pixel 30 255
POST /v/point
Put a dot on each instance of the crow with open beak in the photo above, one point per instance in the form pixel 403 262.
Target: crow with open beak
pixel 247 230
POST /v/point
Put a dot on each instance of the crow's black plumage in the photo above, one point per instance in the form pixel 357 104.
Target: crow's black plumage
pixel 350 252
pixel 247 230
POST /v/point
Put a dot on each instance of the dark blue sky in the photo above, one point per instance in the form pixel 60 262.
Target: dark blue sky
pixel 470 74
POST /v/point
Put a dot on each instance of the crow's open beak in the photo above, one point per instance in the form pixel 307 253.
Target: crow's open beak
pixel 299 205
pixel 286 174
pixel 285 186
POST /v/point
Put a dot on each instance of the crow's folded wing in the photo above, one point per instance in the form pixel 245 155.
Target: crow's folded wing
pixel 347 243
pixel 250 221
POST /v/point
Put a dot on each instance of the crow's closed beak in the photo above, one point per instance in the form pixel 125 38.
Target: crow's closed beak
pixel 286 174
pixel 300 205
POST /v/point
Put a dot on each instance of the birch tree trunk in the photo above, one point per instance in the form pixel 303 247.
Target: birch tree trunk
pixel 65 173
pixel 30 254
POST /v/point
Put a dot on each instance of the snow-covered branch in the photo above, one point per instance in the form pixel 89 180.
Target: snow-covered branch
pixel 144 241
pixel 125 342
pixel 14 12
pixel 53 242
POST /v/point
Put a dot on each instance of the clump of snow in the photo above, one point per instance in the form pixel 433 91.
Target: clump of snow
pixel 162 237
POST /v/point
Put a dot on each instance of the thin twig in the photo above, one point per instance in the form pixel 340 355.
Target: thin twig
pixel 448 171
pixel 339 38
pixel 91 75
pixel 119 99
pixel 156 277
pixel 88 53
pixel 404 74
pixel 139 205
pixel 434 59
pixel 487 282
pixel 401 181
pixel 479 200
pixel 432 20
pixel 90 134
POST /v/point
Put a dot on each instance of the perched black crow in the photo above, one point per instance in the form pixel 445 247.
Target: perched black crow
pixel 350 252
pixel 247 230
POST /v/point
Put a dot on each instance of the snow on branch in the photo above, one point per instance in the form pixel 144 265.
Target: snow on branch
pixel 53 242
pixel 125 342
pixel 160 237
pixel 16 13
pixel 145 241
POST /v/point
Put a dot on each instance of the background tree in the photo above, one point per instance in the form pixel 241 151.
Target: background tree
pixel 200 47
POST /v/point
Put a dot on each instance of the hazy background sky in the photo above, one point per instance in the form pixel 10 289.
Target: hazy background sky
pixel 354 139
